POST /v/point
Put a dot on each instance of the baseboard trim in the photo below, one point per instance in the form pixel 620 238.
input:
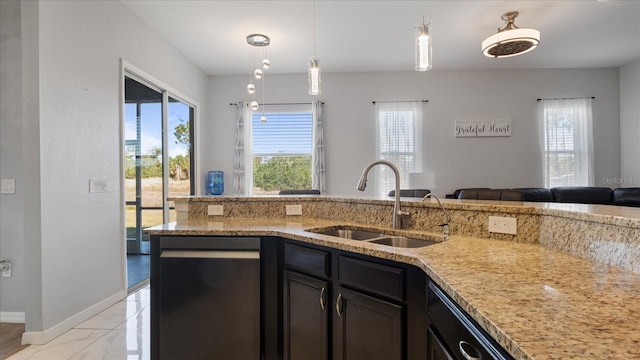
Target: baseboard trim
pixel 43 337
pixel 12 317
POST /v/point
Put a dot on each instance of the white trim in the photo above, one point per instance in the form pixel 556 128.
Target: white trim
pixel 43 337
pixel 12 317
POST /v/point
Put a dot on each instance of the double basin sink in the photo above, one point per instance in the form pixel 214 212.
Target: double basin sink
pixel 376 237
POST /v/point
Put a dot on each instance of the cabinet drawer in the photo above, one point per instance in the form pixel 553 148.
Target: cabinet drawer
pixel 307 260
pixel 372 277
pixel 458 331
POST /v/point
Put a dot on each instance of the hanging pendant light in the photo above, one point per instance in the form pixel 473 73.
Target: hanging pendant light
pixel 258 40
pixel 423 47
pixel 510 40
pixel 313 69
pixel 313 72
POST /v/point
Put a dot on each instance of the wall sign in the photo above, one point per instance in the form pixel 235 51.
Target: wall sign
pixel 482 127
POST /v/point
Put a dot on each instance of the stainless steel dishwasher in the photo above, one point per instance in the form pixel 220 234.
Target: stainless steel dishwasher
pixel 209 298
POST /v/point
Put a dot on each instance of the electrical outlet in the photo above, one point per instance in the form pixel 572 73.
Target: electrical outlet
pixel 294 209
pixel 8 186
pixel 215 210
pixel 503 225
pixel 5 268
pixel 97 186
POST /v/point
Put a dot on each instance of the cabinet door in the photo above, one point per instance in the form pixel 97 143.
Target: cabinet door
pixel 366 327
pixel 306 314
pixel 436 349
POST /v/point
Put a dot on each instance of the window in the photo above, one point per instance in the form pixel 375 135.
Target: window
pixel 567 147
pixel 281 149
pixel 287 149
pixel 399 140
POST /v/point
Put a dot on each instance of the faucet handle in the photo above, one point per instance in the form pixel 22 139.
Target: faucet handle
pixel 445 229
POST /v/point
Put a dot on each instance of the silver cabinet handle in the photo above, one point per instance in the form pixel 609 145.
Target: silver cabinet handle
pixel 338 303
pixel 462 344
pixel 322 304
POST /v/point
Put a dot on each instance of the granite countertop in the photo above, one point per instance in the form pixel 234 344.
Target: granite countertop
pixel 538 303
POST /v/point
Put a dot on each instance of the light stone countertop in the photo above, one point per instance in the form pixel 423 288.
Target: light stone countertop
pixel 537 302
pixel 549 292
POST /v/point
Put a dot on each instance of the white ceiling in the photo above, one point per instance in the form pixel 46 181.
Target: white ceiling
pixel 354 36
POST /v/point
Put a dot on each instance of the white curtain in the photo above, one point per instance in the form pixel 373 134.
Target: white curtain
pixel 566 134
pixel 242 164
pixel 399 140
pixel 317 154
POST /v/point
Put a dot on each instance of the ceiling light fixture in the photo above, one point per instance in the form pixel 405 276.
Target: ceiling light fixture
pixel 261 41
pixel 423 47
pixel 313 69
pixel 510 40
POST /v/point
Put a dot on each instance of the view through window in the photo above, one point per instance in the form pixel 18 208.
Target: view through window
pixel 568 142
pixel 282 148
pixel 398 141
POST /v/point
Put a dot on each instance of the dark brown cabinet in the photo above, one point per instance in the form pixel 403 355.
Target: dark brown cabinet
pixel 367 327
pixel 306 317
pixel 437 350
pixel 344 306
pixel 452 334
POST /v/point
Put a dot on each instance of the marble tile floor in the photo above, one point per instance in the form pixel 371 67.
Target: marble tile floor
pixel 121 332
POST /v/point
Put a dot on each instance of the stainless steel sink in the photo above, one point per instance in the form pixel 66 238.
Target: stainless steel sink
pixel 403 242
pixel 351 234
pixel 376 237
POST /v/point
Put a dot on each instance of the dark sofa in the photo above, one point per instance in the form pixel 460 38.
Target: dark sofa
pixel 563 194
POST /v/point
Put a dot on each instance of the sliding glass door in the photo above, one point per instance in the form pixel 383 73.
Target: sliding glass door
pixel 158 158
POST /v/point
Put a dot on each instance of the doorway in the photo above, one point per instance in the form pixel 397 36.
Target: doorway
pixel 158 163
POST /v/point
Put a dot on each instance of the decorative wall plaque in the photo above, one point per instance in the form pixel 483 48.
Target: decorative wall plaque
pixel 482 127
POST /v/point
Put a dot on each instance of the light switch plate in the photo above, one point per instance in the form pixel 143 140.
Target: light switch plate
pixel 503 225
pixel 215 210
pixel 294 209
pixel 8 186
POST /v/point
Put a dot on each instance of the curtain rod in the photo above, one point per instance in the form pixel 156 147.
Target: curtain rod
pixel 402 101
pixel 586 97
pixel 267 104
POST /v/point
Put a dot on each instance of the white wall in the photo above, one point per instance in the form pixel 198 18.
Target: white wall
pixel 630 124
pixel 78 259
pixel 11 220
pixel 457 162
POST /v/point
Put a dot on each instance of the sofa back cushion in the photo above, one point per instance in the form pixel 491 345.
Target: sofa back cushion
pixel 491 194
pixel 536 194
pixel 626 196
pixel 582 194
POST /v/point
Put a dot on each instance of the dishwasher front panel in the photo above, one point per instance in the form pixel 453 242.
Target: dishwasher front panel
pixel 210 304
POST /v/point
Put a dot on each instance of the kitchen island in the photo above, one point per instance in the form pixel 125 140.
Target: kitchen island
pixel 566 286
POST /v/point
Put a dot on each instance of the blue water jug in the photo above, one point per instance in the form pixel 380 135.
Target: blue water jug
pixel 215 182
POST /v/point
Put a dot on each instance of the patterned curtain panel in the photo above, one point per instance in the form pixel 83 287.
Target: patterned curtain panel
pixel 242 165
pixel 317 155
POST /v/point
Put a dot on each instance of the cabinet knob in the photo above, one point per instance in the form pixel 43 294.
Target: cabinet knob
pixel 322 302
pixel 339 305
pixel 466 348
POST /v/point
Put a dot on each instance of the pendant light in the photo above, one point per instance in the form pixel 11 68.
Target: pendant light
pixel 510 40
pixel 423 47
pixel 261 41
pixel 313 69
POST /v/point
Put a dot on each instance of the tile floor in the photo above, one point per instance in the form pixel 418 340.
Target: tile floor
pixel 119 332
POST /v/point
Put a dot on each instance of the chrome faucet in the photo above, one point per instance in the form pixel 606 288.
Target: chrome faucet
pixel 362 184
pixel 445 226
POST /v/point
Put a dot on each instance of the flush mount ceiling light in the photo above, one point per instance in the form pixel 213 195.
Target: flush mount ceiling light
pixel 258 40
pixel 510 40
